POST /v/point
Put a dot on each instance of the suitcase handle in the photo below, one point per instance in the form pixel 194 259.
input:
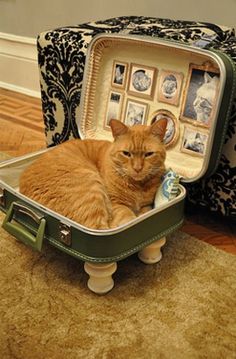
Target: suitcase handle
pixel 22 233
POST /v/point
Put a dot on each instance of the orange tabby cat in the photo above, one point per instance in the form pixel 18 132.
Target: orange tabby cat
pixel 100 184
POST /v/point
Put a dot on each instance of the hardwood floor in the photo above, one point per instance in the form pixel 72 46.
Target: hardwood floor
pixel 22 131
pixel 211 228
pixel 21 124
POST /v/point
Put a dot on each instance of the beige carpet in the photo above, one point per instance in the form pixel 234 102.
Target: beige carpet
pixel 183 307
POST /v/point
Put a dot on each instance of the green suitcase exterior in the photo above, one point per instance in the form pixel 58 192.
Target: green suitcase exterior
pixel 32 224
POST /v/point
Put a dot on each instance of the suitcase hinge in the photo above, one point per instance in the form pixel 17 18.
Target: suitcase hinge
pixel 2 198
pixel 65 234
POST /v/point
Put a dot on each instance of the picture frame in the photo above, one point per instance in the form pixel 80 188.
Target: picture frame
pixel 135 112
pixel 200 95
pixel 113 108
pixel 169 87
pixel 119 74
pixel 172 128
pixel 194 141
pixel 142 81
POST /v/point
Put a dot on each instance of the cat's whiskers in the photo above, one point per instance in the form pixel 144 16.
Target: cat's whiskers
pixel 122 173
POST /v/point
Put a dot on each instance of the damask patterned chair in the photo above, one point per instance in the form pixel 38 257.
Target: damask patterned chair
pixel 61 57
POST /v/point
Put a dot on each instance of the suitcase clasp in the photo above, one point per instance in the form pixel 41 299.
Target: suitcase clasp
pixel 65 234
pixel 2 198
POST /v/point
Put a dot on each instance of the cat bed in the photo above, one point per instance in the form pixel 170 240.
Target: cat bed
pixel 61 85
pixel 136 80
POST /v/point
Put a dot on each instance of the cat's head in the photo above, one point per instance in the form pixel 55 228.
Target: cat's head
pixel 205 97
pixel 169 86
pixel 138 152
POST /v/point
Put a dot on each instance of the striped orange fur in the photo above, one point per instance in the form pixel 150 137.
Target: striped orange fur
pixel 100 184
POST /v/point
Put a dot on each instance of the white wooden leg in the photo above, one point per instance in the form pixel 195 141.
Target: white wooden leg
pixel 100 276
pixel 152 253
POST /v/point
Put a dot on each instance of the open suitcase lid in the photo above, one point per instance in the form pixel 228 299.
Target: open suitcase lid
pixel 141 79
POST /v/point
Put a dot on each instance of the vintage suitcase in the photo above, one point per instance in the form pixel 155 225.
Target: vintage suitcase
pixel 61 57
pixel 137 80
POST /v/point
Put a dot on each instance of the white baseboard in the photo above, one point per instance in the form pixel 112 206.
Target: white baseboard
pixel 19 64
pixel 23 90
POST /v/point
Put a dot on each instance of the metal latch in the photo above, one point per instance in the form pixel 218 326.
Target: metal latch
pixel 65 234
pixel 2 197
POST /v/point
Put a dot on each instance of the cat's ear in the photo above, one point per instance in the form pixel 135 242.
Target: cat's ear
pixel 207 77
pixel 158 128
pixel 118 128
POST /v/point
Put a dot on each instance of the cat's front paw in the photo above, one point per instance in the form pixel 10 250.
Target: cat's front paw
pixel 99 224
pixel 145 209
pixel 117 222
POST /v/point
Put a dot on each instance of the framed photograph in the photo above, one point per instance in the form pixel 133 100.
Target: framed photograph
pixel 135 113
pixel 194 141
pixel 169 87
pixel 142 81
pixel 114 107
pixel 200 95
pixel 172 129
pixel 119 74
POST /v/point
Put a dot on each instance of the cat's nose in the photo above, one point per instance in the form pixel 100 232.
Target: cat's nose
pixel 137 164
pixel 137 167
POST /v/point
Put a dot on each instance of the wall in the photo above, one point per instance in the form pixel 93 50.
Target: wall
pixel 22 20
pixel 29 17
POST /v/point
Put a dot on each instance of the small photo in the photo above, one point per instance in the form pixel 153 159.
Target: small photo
pixel 114 106
pixel 200 96
pixel 142 81
pixel 135 113
pixel 194 142
pixel 172 129
pixel 169 87
pixel 119 74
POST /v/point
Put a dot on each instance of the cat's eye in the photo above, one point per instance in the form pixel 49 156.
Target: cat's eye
pixel 126 153
pixel 149 154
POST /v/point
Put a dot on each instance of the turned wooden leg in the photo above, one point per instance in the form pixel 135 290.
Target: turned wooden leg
pixel 100 276
pixel 152 253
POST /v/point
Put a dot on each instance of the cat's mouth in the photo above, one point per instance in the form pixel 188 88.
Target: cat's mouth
pixel 138 176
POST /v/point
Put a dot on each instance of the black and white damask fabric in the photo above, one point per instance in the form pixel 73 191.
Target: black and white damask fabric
pixel 61 58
